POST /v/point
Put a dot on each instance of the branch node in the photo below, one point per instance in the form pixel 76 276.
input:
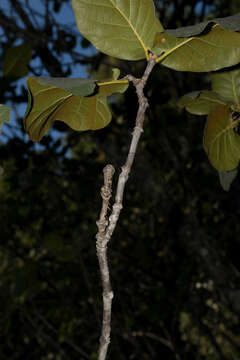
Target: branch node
pixel 138 128
pixel 108 295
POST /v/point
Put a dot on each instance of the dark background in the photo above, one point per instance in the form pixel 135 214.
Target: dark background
pixel 174 256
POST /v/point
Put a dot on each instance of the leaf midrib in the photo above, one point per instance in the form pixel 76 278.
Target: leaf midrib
pixel 133 29
pixel 226 129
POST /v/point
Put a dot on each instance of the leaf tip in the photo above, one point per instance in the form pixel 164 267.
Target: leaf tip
pixel 226 178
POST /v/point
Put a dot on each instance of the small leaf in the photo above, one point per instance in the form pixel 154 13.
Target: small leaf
pixel 200 102
pixel 221 143
pixel 227 84
pixel 16 60
pixel 226 178
pixel 121 28
pixel 229 23
pixel 49 102
pixel 4 115
pixel 212 51
pixel 116 73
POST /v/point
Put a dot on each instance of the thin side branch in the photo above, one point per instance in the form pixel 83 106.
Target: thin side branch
pixel 106 226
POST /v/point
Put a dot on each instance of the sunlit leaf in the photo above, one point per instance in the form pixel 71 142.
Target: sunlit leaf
pixel 212 51
pixel 59 99
pixel 226 178
pixel 229 23
pixel 227 84
pixel 200 102
pixel 121 28
pixel 16 60
pixel 221 143
pixel 4 115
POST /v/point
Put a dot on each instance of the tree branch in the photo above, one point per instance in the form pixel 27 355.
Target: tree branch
pixel 106 226
pixel 101 246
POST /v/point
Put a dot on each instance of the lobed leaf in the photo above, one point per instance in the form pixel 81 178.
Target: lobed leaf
pixel 201 102
pixel 4 115
pixel 227 84
pixel 221 143
pixel 59 99
pixel 16 60
pixel 212 51
pixel 121 28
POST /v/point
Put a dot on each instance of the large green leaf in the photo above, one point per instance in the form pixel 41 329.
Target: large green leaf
pixel 4 115
pixel 121 28
pixel 59 99
pixel 227 84
pixel 201 102
pixel 221 143
pixel 229 23
pixel 212 51
pixel 16 60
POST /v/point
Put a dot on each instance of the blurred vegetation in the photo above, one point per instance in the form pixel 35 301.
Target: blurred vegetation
pixel 174 257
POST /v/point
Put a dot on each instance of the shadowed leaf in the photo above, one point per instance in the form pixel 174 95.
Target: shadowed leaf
pixel 16 60
pixel 200 102
pixel 48 103
pixel 4 115
pixel 121 28
pixel 82 87
pixel 227 84
pixel 221 143
pixel 226 178
pixel 229 23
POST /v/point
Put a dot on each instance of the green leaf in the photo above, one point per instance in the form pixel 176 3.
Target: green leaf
pixel 200 102
pixel 212 51
pixel 116 73
pixel 121 28
pixel 16 60
pixel 82 87
pixel 227 84
pixel 226 178
pixel 221 143
pixel 4 115
pixel 49 102
pixel 229 23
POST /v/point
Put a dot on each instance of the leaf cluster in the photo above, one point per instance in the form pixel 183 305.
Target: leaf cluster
pixel 221 135
pixel 117 31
